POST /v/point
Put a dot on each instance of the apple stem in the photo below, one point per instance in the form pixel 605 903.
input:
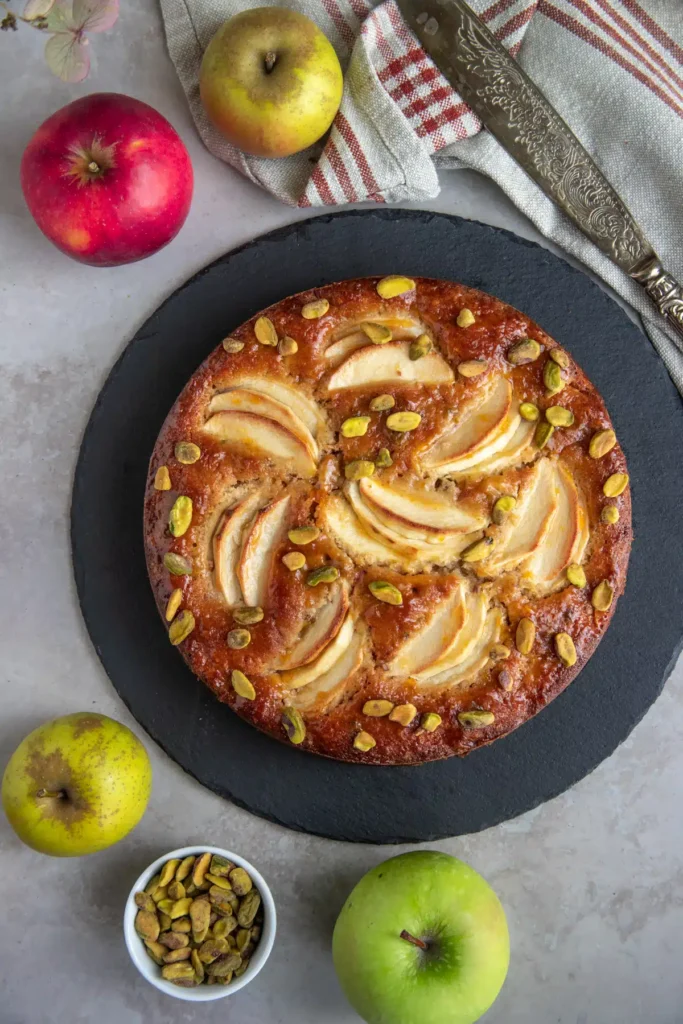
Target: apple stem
pixel 58 793
pixel 270 60
pixel 420 943
pixel 93 167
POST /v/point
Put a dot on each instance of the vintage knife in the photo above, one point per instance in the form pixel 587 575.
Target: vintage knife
pixel 532 132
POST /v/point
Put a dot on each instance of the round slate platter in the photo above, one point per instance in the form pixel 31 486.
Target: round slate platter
pixel 361 803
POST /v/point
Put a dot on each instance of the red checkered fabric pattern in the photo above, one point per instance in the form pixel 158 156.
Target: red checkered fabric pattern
pixel 433 109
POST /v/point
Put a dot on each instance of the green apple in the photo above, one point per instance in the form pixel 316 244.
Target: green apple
pixel 270 81
pixel 422 939
pixel 76 785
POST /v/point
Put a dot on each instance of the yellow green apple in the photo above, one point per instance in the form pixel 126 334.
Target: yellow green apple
pixel 422 939
pixel 76 785
pixel 270 81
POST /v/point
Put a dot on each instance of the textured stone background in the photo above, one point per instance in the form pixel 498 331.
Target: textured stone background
pixel 592 882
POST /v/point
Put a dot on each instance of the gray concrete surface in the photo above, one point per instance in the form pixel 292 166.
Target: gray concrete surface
pixel 592 881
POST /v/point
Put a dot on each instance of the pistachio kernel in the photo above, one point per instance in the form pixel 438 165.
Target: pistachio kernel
pixel 187 452
pixel 403 714
pixel 293 724
pixel 602 442
pixel 324 574
pixel 386 592
pixel 610 514
pixel 615 485
pixel 177 565
pixel 602 596
pixel 525 636
pixel 379 334
pixel 355 426
pixel 422 346
pixel 265 332
pixel 168 872
pixel 238 639
pixel 240 881
pixel 201 866
pixel 294 560
pixel 232 345
pixel 180 516
pixel 363 741
pixel 358 468
pixel 478 551
pixel 525 351
pixel 503 507
pixel 181 627
pixel 377 708
pixel 178 972
pixel 314 310
pixel 552 378
pixel 162 479
pixel 184 868
pixel 147 925
pixel 156 951
pixel 565 650
pixel 542 434
pixel 465 318
pixel 472 367
pixel 528 411
pixel 559 416
pixel 393 285
pixel 476 719
pixel 400 422
pixel 499 652
pixel 576 575
pixel 382 402
pixel 430 721
pixel 174 602
pixel 560 357
pixel 242 686
pixel 506 680
pixel 248 616
pixel 303 534
pixel 287 346
pixel 384 459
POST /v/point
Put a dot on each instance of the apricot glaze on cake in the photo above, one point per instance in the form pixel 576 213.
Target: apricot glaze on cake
pixel 388 520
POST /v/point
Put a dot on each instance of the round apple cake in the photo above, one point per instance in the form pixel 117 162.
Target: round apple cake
pixel 387 520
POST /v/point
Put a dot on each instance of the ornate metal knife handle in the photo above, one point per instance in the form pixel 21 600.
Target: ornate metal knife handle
pixel 663 289
pixel 531 130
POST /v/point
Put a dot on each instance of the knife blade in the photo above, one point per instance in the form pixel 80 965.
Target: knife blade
pixel 520 117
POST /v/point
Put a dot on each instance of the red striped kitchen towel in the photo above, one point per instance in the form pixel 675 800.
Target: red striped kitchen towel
pixel 613 69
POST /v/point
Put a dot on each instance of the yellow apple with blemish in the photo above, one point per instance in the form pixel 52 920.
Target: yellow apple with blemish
pixel 76 785
pixel 270 81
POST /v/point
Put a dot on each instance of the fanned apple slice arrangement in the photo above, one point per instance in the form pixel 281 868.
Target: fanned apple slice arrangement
pixel 408 526
pixel 393 517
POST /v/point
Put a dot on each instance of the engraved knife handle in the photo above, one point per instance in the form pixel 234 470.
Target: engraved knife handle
pixel 663 289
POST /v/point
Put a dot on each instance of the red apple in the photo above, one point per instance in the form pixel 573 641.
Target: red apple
pixel 107 179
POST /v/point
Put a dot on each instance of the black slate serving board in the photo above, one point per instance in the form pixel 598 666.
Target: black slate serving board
pixel 302 791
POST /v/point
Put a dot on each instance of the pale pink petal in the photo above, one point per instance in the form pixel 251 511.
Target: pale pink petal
pixel 95 15
pixel 37 9
pixel 67 57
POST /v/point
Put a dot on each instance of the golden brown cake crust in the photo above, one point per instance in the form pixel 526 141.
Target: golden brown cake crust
pixel 514 689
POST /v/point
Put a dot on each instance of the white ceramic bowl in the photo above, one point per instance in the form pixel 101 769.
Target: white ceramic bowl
pixel 201 993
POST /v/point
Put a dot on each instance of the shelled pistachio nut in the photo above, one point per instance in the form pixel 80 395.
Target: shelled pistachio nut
pixel 393 285
pixel 314 310
pixel 378 334
pixel 525 351
pixel 265 332
pixel 382 403
pixel 386 592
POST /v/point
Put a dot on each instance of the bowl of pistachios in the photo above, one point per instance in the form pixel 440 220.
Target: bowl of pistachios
pixel 199 923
